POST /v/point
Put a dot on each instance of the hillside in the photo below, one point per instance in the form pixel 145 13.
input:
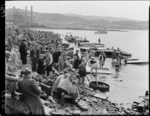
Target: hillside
pixel 54 20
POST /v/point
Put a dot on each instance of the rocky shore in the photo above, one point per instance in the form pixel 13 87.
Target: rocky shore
pixel 91 102
pixel 88 104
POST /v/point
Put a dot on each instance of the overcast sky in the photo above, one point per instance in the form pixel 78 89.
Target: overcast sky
pixel 135 10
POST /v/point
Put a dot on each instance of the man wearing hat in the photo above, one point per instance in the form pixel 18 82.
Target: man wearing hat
pixel 30 93
pixel 102 58
pixel 70 53
pixel 23 51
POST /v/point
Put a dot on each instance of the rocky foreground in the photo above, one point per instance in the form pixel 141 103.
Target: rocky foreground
pixel 88 103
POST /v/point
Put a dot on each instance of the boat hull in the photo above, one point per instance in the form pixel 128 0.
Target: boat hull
pixel 103 87
pixel 97 45
pixel 66 45
pixel 108 52
pixel 137 62
pixel 100 32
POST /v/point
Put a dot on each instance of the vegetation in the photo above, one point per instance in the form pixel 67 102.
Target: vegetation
pixel 64 21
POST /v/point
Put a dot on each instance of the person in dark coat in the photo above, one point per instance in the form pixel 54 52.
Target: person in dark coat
pixel 34 62
pixel 49 62
pixel 30 94
pixel 23 51
pixel 32 52
pixel 102 58
pixel 82 71
pixel 114 56
pixel 40 65
pixel 77 54
pixel 56 56
pixel 10 43
pixel 37 53
pixel 76 62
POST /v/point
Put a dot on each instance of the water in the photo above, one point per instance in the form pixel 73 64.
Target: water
pixel 133 80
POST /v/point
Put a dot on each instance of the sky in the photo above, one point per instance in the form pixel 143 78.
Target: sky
pixel 134 10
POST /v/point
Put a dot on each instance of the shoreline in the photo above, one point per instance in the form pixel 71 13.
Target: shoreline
pixel 108 107
pixel 115 30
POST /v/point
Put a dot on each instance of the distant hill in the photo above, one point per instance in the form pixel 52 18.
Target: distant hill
pixel 99 17
pixel 55 20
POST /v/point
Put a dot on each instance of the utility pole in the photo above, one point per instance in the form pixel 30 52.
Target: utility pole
pixel 26 19
pixel 31 14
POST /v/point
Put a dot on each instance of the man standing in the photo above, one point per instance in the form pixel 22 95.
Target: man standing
pixel 93 64
pixel 114 56
pixel 23 51
pixel 61 62
pixel 77 54
pixel 70 53
pixel 75 62
pixel 99 40
pixel 30 93
pixel 49 61
pixel 82 71
pixel 102 58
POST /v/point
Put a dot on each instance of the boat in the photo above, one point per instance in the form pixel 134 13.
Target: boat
pixel 81 40
pixel 100 32
pixel 137 62
pixel 108 52
pixel 131 59
pixel 103 87
pixel 65 45
pixel 94 45
pixel 98 45
pixel 70 38
pixel 99 71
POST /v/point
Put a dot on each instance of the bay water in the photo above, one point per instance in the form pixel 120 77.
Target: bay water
pixel 133 80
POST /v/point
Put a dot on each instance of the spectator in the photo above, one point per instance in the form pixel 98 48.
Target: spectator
pixel 23 51
pixel 102 58
pixel 82 72
pixel 30 93
pixel 40 66
pixel 49 61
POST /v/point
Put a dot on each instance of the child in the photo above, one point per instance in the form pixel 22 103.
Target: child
pixel 74 92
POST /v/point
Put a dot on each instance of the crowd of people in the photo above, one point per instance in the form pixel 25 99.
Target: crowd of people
pixel 51 61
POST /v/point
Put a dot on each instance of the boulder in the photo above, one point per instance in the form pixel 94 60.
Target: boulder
pixel 76 112
pixel 83 105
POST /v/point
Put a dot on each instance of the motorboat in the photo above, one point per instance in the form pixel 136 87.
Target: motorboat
pixel 94 45
pixel 108 51
pixel 100 32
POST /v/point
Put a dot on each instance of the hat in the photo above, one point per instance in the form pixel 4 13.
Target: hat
pixel 23 39
pixel 26 72
pixel 68 57
pixel 74 82
pixel 65 71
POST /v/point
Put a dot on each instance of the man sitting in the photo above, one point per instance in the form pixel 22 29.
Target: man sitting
pixel 64 86
pixel 61 83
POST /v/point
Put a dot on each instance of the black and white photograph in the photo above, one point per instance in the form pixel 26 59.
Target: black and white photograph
pixel 76 57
